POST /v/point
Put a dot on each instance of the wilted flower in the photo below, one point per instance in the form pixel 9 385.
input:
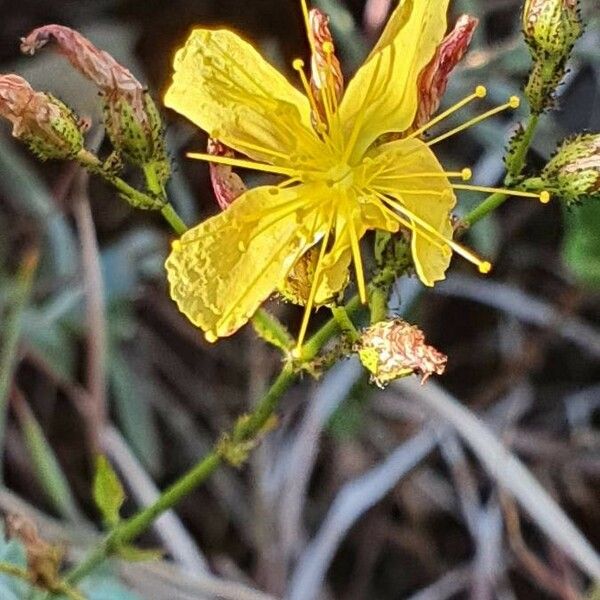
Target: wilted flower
pixel 574 172
pixel 48 126
pixel 393 349
pixel 130 115
pixel 340 180
pixel 43 559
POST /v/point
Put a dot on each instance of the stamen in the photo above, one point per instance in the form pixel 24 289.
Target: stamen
pixel 258 148
pixel 298 65
pixel 514 102
pixel 306 16
pixel 464 174
pixel 357 259
pixel 395 190
pixel 315 284
pixel 543 197
pixel 288 182
pixel 480 92
pixel 483 266
pixel 244 164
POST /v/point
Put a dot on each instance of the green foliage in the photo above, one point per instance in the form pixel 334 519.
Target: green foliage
pixel 108 492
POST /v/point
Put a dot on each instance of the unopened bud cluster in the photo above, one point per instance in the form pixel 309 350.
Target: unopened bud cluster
pixel 551 28
pixel 574 171
pixel 52 131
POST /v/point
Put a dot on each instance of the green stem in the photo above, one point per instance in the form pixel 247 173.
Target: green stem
pixel 379 303
pixel 174 220
pixel 490 204
pixel 345 322
pixel 244 431
pixel 520 156
pixel 11 330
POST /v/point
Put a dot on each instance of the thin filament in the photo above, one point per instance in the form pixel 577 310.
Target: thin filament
pixel 258 148
pixel 306 15
pixel 465 175
pixel 480 92
pixel 244 164
pixel 513 102
pixel 483 266
pixel 357 259
pixel 315 284
pixel 543 197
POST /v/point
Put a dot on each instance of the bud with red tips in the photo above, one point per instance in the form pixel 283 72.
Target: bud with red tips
pixel 226 184
pixel 131 117
pixel 48 126
pixel 433 80
pixel 327 80
pixel 394 349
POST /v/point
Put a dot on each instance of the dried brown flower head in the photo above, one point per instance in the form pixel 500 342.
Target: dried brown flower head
pixel 394 349
pixel 43 559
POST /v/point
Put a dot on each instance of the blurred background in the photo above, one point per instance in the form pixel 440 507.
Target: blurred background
pixel 322 510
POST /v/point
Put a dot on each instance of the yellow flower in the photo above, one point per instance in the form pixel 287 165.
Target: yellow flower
pixel 339 182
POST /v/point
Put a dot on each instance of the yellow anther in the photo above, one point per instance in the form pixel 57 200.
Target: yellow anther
pixel 481 91
pixel 545 197
pixel 298 64
pixel 485 267
pixel 176 246
pixel 466 174
pixel 328 47
pixel 514 102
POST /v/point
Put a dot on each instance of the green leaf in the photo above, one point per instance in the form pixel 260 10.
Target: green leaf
pixel 133 554
pixel 581 246
pixel 47 467
pixel 108 492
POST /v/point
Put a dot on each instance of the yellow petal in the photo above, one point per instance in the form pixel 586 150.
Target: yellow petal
pixel 382 96
pixel 222 270
pixel 429 198
pixel 223 85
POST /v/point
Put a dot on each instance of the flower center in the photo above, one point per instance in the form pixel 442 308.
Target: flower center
pixel 340 176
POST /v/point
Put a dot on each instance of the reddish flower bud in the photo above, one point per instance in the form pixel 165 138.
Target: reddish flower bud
pixel 44 123
pixel 433 81
pixel 326 71
pixel 226 184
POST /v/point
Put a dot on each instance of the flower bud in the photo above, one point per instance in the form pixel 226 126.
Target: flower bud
pixel 433 80
pixel 226 184
pixel 327 80
pixel 574 172
pixel 394 349
pixel 131 117
pixel 48 126
pixel 551 27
